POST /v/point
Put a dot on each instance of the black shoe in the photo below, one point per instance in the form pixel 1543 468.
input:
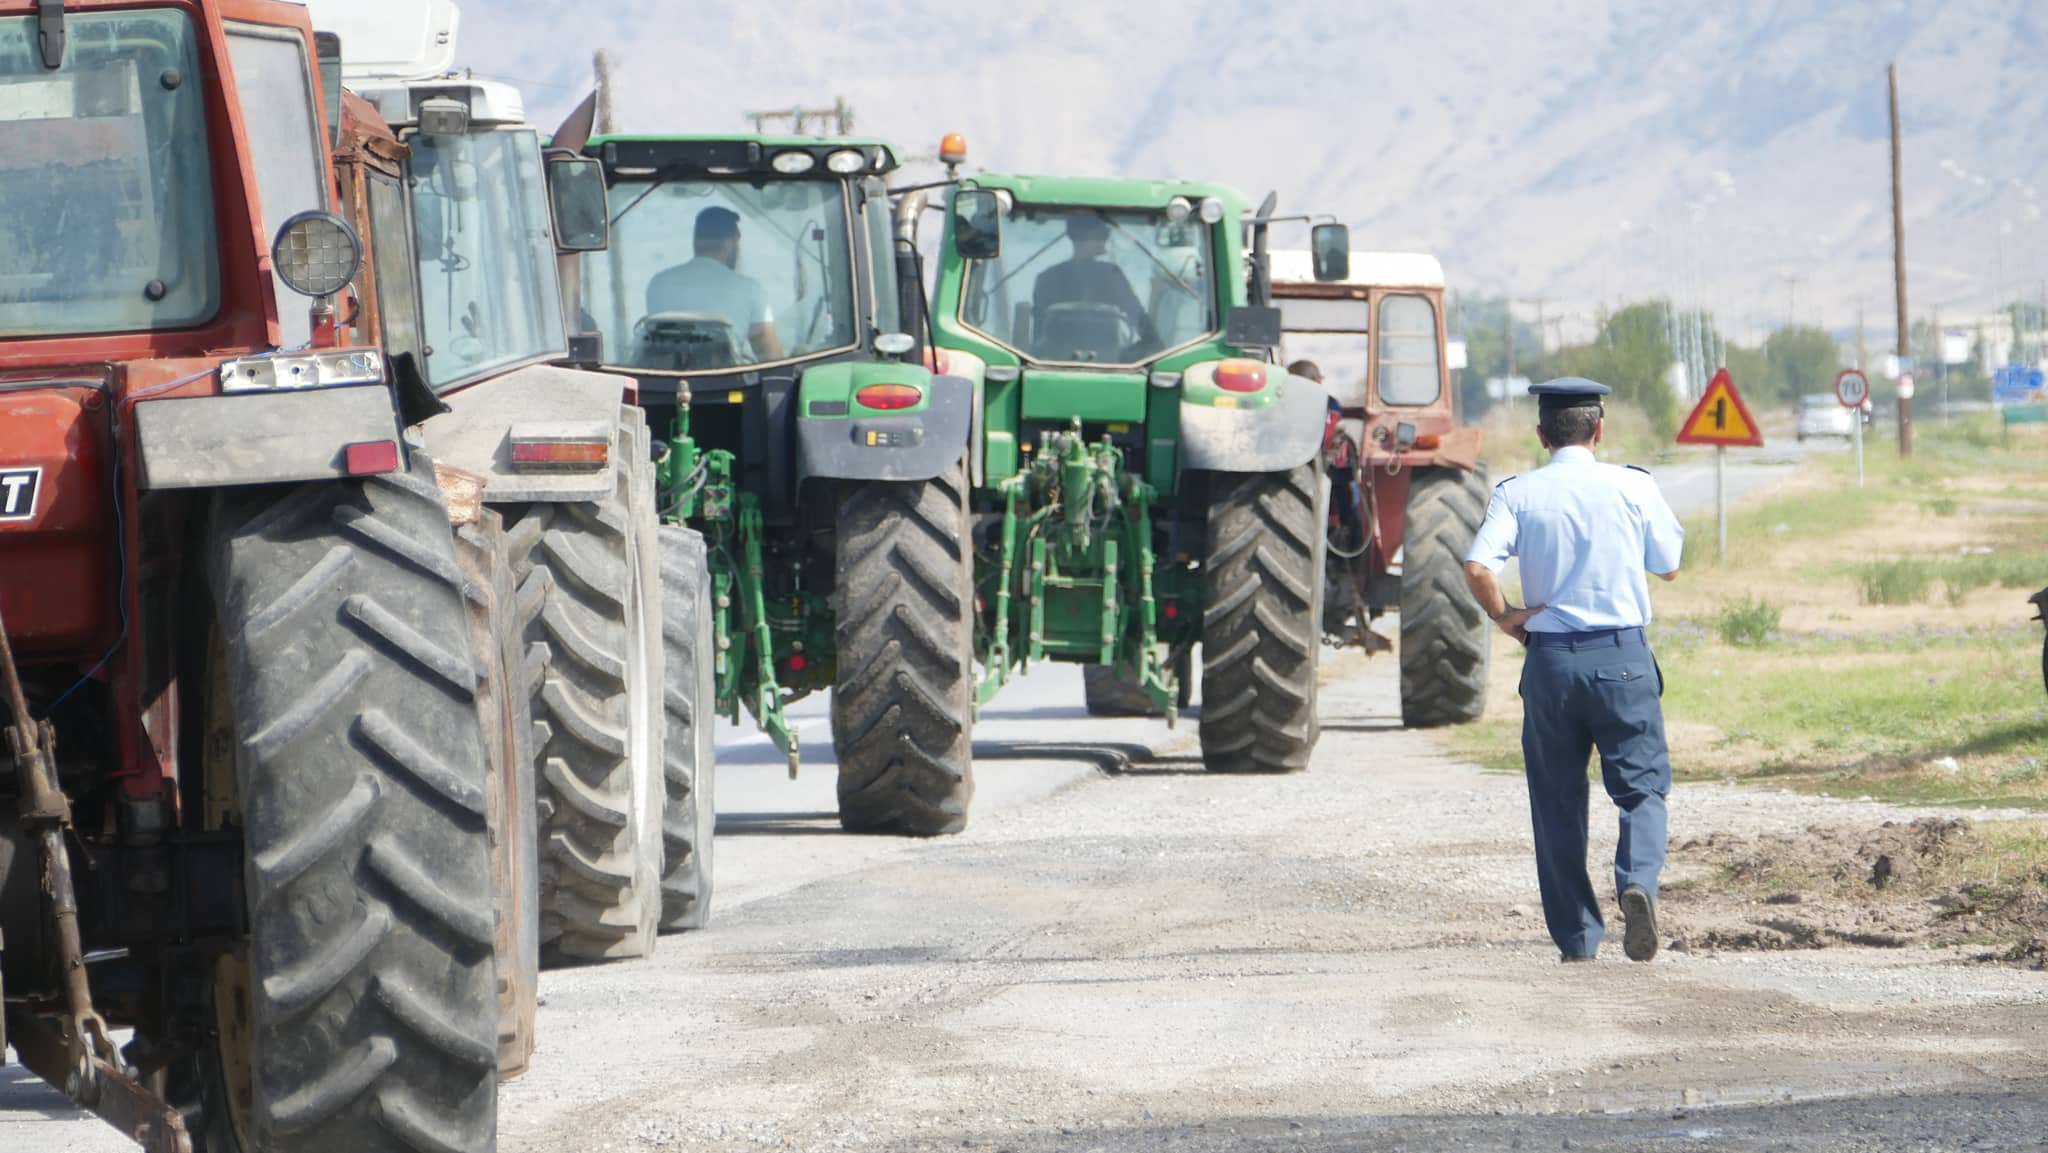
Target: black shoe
pixel 1639 939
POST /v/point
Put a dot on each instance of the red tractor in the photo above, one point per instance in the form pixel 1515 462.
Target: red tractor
pixel 248 673
pixel 1408 490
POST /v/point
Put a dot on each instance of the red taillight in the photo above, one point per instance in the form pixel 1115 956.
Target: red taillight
pixel 560 452
pixel 1428 440
pixel 888 397
pixel 1240 376
pixel 797 663
pixel 1172 611
pixel 371 456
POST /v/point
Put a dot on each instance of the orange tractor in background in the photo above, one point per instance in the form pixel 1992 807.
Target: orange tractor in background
pixel 1408 488
pixel 247 672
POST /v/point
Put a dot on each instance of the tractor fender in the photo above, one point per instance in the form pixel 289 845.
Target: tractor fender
pixel 1278 434
pixel 540 400
pixel 839 438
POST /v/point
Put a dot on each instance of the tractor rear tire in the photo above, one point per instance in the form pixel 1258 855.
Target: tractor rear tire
pixel 1110 693
pixel 497 638
pixel 690 703
pixel 589 591
pixel 1261 586
pixel 368 1018
pixel 903 696
pixel 1444 633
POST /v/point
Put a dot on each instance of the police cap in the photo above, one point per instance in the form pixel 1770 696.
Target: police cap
pixel 1568 392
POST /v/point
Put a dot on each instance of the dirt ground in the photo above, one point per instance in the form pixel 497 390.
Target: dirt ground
pixel 1904 884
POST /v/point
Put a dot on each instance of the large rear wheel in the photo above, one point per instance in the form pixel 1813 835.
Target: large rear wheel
pixel 903 698
pixel 361 1012
pixel 497 639
pixel 689 701
pixel 1444 633
pixel 1261 588
pixel 588 588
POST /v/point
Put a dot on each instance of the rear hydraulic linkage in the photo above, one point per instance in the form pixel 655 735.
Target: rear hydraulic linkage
pixel 701 482
pixel 76 1051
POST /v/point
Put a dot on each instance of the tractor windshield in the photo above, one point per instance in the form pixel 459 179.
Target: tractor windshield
pixel 719 274
pixel 106 206
pixel 488 289
pixel 1095 286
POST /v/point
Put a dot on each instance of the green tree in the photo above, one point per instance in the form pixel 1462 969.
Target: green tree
pixel 1632 356
pixel 1802 359
pixel 1482 322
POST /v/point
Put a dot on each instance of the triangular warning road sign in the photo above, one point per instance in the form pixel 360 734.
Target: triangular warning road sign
pixel 1721 418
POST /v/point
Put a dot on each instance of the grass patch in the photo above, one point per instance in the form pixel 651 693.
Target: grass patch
pixel 1813 659
pixel 1748 623
pixel 1894 582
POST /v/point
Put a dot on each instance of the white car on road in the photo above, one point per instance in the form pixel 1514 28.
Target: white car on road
pixel 1822 415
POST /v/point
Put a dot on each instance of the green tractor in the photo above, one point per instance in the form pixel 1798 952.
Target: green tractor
pixel 751 289
pixel 1146 479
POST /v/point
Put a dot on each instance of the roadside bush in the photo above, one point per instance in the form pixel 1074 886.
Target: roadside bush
pixel 1894 582
pixel 1749 622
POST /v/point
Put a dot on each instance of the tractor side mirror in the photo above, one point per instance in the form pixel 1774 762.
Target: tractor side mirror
pixel 1330 245
pixel 977 224
pixel 576 199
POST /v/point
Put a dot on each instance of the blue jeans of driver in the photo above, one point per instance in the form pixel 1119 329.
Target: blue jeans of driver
pixel 1583 692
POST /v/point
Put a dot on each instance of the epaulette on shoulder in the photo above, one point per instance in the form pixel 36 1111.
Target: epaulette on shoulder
pixel 1638 468
pixel 1505 479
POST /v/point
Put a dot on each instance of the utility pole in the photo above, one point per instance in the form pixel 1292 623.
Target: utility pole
pixel 1862 355
pixel 1542 343
pixel 840 116
pixel 1905 347
pixel 602 65
pixel 1791 298
pixel 1940 361
pixel 1507 387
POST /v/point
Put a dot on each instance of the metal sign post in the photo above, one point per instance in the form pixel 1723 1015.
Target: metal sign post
pixel 1852 390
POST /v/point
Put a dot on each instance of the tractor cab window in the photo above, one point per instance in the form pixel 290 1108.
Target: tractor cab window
pixel 1408 371
pixel 713 274
pixel 106 202
pixel 285 144
pixel 1096 286
pixel 488 293
pixel 882 250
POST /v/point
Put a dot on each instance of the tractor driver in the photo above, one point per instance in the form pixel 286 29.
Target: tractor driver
pixel 711 283
pixel 1088 278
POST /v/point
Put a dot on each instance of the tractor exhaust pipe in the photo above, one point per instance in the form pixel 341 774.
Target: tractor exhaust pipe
pixel 81 1057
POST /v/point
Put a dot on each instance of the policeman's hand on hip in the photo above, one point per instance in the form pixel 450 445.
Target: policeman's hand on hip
pixel 1515 622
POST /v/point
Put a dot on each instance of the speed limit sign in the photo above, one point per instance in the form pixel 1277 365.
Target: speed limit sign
pixel 1852 388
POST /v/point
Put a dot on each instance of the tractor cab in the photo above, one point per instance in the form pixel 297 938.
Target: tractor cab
pixel 1378 336
pixel 745 271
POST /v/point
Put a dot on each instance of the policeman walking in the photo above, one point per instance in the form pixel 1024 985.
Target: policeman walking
pixel 1586 533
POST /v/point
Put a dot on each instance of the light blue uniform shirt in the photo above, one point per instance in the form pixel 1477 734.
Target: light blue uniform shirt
pixel 1586 533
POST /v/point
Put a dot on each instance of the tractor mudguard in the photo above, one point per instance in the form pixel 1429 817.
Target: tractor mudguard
pixel 839 437
pixel 1248 433
pixel 538 402
pixel 275 436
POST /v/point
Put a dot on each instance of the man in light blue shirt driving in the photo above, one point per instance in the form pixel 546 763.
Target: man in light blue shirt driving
pixel 1585 534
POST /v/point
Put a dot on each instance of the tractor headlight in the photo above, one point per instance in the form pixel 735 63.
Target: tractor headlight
pixel 1212 210
pixel 795 162
pixel 1178 210
pixel 316 253
pixel 846 162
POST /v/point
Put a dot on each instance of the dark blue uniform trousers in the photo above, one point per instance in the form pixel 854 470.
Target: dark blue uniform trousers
pixel 1581 692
